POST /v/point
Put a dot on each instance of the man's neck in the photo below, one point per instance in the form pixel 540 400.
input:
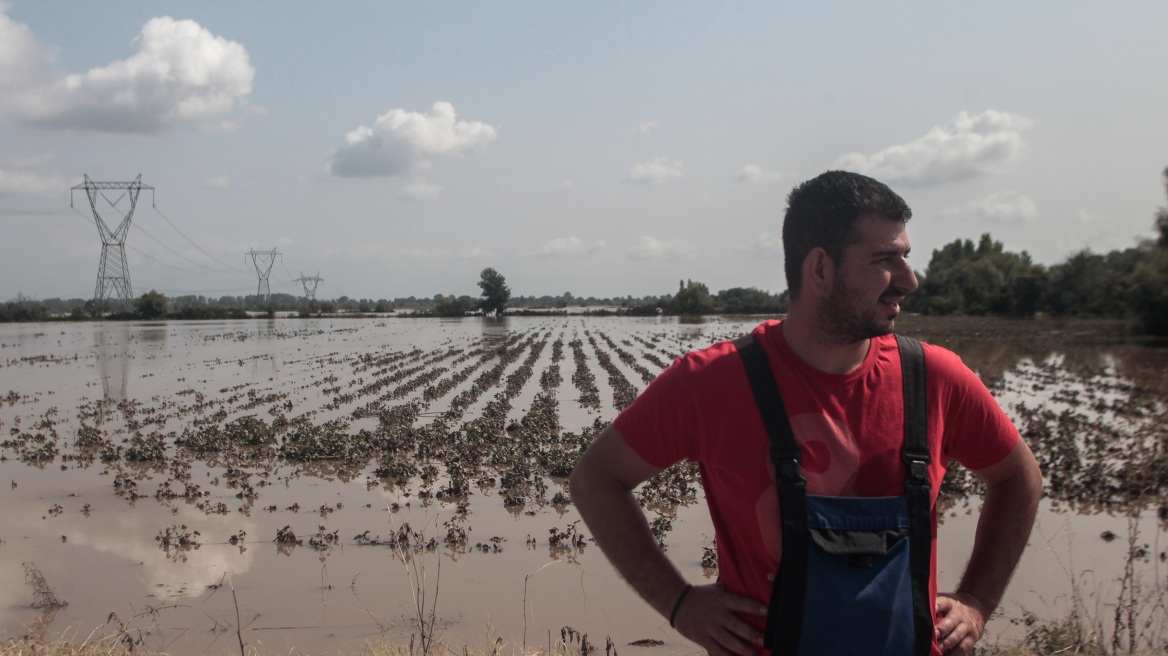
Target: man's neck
pixel 818 349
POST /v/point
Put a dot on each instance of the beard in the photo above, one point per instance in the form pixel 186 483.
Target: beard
pixel 844 319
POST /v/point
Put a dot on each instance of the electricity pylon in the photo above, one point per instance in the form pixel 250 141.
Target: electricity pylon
pixel 310 283
pixel 263 261
pixel 113 274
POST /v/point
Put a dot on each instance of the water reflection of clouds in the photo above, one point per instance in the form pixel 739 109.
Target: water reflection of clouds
pixel 113 552
pixel 126 535
pixel 1092 385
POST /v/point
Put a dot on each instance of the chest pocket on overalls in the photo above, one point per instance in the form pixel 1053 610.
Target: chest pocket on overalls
pixel 858 596
pixel 854 578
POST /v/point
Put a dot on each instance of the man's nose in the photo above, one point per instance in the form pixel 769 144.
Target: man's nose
pixel 906 279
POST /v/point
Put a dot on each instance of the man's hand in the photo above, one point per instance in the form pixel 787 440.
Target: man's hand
pixel 707 616
pixel 961 622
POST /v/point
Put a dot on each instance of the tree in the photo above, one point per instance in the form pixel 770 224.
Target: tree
pixel 980 279
pixel 1089 284
pixel 151 305
pixel 1148 295
pixel 692 298
pixel 450 306
pixel 742 300
pixel 495 292
pixel 1162 219
pixel 1147 288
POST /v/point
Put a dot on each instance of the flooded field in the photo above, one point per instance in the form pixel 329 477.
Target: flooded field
pixel 317 484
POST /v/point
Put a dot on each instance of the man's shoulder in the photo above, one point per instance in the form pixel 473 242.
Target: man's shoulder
pixel 934 355
pixel 946 368
pixel 720 357
pixel 942 358
pixel 715 357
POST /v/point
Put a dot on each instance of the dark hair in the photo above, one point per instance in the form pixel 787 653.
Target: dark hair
pixel 822 213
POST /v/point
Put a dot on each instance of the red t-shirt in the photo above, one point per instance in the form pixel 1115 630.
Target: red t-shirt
pixel 850 427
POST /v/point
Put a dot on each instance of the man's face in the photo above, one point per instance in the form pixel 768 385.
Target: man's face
pixel 870 282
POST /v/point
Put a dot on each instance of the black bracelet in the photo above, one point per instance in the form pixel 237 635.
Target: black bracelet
pixel 677 604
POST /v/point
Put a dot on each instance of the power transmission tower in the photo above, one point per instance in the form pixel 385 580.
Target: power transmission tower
pixel 310 283
pixel 113 274
pixel 263 261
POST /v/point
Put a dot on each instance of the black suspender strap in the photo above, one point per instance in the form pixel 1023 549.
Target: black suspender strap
pixel 916 485
pixel 785 614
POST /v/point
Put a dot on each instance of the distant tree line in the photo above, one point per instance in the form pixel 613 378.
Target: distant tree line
pixel 694 297
pixel 23 308
pixel 984 278
pixel 962 277
pixel 981 279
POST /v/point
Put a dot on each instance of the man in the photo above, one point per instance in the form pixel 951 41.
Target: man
pixel 837 368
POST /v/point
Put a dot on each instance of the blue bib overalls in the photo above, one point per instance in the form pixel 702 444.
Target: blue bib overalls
pixel 854 576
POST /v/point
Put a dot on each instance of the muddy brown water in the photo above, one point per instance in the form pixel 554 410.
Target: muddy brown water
pixel 177 553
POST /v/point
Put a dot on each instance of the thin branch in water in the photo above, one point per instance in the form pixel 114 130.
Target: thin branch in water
pixel 238 622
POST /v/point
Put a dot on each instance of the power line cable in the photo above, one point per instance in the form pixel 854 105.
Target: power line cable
pixel 291 280
pixel 192 242
pixel 151 257
pixel 139 228
pixel 12 212
pixel 285 267
pixel 288 286
pixel 204 292
pixel 158 261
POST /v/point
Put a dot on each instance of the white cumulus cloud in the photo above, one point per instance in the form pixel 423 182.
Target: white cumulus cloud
pixel 179 76
pixel 755 174
pixel 20 54
pixel 646 128
pixel 966 147
pixel 766 246
pixel 1004 207
pixel 399 142
pixel 659 171
pixel 571 246
pixel 648 248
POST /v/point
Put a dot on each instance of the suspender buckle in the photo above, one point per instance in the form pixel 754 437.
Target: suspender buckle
pixel 918 469
pixel 788 469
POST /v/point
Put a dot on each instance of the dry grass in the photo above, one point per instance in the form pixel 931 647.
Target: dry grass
pixel 113 646
pixel 1052 643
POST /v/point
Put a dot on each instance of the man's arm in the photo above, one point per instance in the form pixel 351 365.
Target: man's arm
pixel 1013 488
pixel 602 489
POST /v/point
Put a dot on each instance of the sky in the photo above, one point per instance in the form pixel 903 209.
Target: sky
pixel 397 149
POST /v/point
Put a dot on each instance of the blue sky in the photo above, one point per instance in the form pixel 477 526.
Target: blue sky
pixel 600 148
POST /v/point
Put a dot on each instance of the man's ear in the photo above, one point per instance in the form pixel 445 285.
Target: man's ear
pixel 818 272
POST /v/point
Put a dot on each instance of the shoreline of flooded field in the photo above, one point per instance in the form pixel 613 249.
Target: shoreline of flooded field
pixel 319 477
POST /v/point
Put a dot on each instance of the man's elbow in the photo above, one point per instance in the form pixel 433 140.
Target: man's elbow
pixel 1032 476
pixel 1035 485
pixel 583 481
pixel 1023 478
pixel 578 481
